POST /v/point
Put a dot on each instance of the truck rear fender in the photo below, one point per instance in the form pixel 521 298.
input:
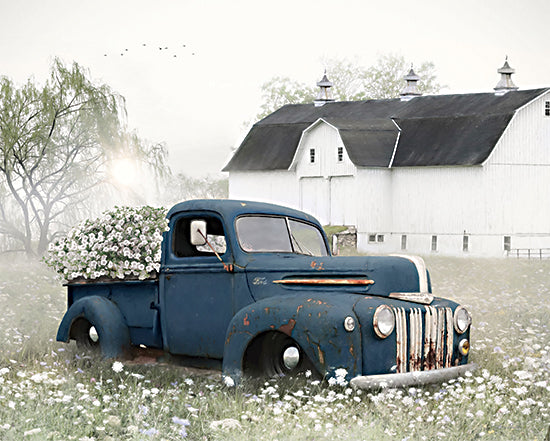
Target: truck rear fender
pixel 105 316
pixel 315 324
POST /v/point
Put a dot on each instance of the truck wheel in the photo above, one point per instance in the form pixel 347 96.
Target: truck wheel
pixel 101 336
pixel 86 335
pixel 280 356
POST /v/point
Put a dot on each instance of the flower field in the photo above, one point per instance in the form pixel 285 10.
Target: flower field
pixel 50 391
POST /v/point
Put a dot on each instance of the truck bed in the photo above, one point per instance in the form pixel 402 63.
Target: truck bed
pixel 137 300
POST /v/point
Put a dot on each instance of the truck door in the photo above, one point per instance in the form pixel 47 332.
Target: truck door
pixel 196 289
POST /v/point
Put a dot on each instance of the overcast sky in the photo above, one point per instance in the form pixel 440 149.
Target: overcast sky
pixel 196 98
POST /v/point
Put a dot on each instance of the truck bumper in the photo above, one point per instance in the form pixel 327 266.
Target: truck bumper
pixel 408 379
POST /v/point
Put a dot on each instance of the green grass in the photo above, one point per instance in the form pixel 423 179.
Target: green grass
pixel 330 230
pixel 48 391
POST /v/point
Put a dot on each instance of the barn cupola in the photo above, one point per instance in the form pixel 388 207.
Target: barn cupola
pixel 505 84
pixel 325 94
pixel 411 89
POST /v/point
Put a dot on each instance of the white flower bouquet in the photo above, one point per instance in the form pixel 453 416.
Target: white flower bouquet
pixel 122 243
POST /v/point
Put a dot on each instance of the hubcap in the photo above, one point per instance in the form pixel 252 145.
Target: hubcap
pixel 291 357
pixel 93 335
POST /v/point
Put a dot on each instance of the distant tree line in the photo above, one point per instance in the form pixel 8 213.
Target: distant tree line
pixel 351 82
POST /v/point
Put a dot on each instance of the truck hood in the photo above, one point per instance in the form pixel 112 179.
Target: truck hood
pixel 403 277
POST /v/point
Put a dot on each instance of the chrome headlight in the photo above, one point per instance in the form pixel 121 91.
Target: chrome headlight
pixel 462 319
pixel 383 321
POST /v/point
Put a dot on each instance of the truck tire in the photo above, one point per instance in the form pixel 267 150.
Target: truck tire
pixel 86 336
pixel 281 356
pixel 98 326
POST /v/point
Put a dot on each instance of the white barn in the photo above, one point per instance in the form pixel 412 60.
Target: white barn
pixel 464 174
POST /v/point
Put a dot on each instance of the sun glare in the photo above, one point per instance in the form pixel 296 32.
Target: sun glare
pixel 124 172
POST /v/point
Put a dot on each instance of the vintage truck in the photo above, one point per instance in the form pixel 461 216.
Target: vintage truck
pixel 253 288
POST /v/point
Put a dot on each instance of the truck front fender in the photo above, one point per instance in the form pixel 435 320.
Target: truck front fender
pixel 105 316
pixel 316 324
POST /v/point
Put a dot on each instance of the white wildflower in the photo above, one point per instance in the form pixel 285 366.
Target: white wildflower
pixel 118 367
pixel 226 424
pixel 112 421
pixel 523 375
pixel 520 390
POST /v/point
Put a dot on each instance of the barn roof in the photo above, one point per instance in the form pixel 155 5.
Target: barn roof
pixel 435 130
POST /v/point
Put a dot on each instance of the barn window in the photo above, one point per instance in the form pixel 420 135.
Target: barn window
pixel 507 243
pixel 340 154
pixel 465 243
pixel 547 108
pixel 372 237
pixel 403 241
pixel 380 238
pixel 434 243
pixel 312 156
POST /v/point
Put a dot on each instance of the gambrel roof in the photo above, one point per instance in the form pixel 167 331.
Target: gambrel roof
pixel 435 130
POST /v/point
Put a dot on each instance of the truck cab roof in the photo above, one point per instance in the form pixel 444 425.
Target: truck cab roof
pixel 231 209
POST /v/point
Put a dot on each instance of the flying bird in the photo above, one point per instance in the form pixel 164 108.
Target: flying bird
pixel 160 48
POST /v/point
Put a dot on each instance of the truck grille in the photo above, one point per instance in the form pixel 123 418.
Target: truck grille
pixel 424 338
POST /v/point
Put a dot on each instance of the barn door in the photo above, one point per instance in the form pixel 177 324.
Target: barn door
pixel 342 201
pixel 315 198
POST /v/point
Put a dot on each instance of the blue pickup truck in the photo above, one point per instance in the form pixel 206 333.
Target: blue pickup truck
pixel 253 288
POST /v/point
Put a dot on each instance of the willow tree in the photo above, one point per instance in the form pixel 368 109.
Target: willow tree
pixel 56 141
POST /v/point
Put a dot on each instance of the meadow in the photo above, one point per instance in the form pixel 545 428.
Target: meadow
pixel 50 391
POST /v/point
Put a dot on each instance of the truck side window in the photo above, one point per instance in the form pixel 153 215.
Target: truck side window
pixel 181 243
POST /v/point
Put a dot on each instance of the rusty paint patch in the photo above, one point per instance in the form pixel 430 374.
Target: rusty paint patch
pixel 266 309
pixel 317 266
pixel 246 322
pixel 287 329
pixel 298 309
pixel 325 281
pixel 318 302
pixel 321 355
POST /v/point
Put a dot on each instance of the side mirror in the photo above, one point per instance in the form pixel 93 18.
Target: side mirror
pixel 198 227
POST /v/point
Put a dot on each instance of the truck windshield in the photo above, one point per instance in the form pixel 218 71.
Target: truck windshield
pixel 264 234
